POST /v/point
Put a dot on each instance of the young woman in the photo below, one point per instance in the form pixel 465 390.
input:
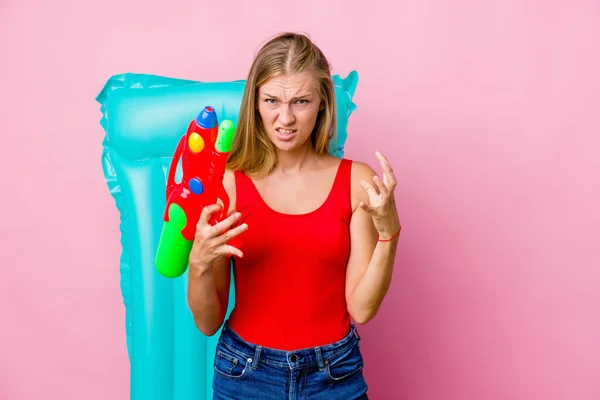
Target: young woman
pixel 312 237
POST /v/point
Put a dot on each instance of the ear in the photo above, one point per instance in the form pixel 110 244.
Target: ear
pixel 322 105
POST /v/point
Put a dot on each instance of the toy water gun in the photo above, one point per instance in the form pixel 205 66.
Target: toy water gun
pixel 203 151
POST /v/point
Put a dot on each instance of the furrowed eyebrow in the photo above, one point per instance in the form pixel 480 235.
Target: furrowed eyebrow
pixel 299 97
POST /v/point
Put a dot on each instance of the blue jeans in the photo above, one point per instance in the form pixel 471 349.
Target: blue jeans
pixel 244 371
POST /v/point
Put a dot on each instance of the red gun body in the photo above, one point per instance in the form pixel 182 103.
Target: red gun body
pixel 203 169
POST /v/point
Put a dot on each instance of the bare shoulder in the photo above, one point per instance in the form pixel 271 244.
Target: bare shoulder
pixel 229 185
pixel 361 171
pixel 327 162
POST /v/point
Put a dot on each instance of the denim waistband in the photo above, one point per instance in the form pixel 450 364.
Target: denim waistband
pixel 319 355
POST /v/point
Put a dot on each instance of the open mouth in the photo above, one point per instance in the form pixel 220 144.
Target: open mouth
pixel 285 134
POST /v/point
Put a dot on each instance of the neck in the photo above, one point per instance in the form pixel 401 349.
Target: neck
pixel 290 162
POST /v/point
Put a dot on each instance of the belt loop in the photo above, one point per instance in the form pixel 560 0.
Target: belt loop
pixel 319 359
pixel 356 335
pixel 256 357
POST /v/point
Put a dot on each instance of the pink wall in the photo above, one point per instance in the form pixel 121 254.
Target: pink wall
pixel 489 113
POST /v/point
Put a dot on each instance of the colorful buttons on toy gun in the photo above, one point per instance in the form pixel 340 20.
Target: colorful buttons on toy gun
pixel 203 151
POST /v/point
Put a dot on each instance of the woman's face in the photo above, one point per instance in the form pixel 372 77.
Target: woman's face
pixel 288 106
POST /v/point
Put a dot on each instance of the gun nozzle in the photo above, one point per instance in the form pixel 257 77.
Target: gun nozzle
pixel 207 118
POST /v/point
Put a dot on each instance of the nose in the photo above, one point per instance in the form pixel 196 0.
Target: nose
pixel 286 115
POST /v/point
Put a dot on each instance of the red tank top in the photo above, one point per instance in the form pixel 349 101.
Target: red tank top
pixel 290 284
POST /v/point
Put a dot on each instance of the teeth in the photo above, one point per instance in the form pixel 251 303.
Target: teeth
pixel 285 131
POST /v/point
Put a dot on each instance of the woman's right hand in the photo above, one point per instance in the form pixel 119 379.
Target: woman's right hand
pixel 210 242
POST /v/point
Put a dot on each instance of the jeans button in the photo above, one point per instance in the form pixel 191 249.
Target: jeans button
pixel 293 358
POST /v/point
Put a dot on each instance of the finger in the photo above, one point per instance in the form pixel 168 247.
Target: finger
pixel 220 227
pixel 232 233
pixel 366 207
pixel 385 164
pixel 228 249
pixel 389 180
pixel 388 173
pixel 369 188
pixel 207 212
pixel 383 190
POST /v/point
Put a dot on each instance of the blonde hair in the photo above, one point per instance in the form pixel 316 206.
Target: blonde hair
pixel 286 53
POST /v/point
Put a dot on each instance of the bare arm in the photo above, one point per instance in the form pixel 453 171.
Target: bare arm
pixel 371 262
pixel 209 274
pixel 208 295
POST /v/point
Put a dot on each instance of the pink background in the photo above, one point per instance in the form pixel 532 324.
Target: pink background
pixel 488 112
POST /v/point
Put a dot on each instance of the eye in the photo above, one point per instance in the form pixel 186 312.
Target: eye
pixel 270 101
pixel 302 101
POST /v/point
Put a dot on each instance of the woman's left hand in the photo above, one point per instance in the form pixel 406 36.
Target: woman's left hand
pixel 382 205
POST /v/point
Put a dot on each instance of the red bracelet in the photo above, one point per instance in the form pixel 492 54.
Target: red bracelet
pixel 390 239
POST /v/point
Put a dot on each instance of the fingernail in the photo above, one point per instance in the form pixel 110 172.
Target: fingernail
pixel 237 214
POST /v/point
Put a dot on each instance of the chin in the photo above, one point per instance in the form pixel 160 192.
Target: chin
pixel 286 146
